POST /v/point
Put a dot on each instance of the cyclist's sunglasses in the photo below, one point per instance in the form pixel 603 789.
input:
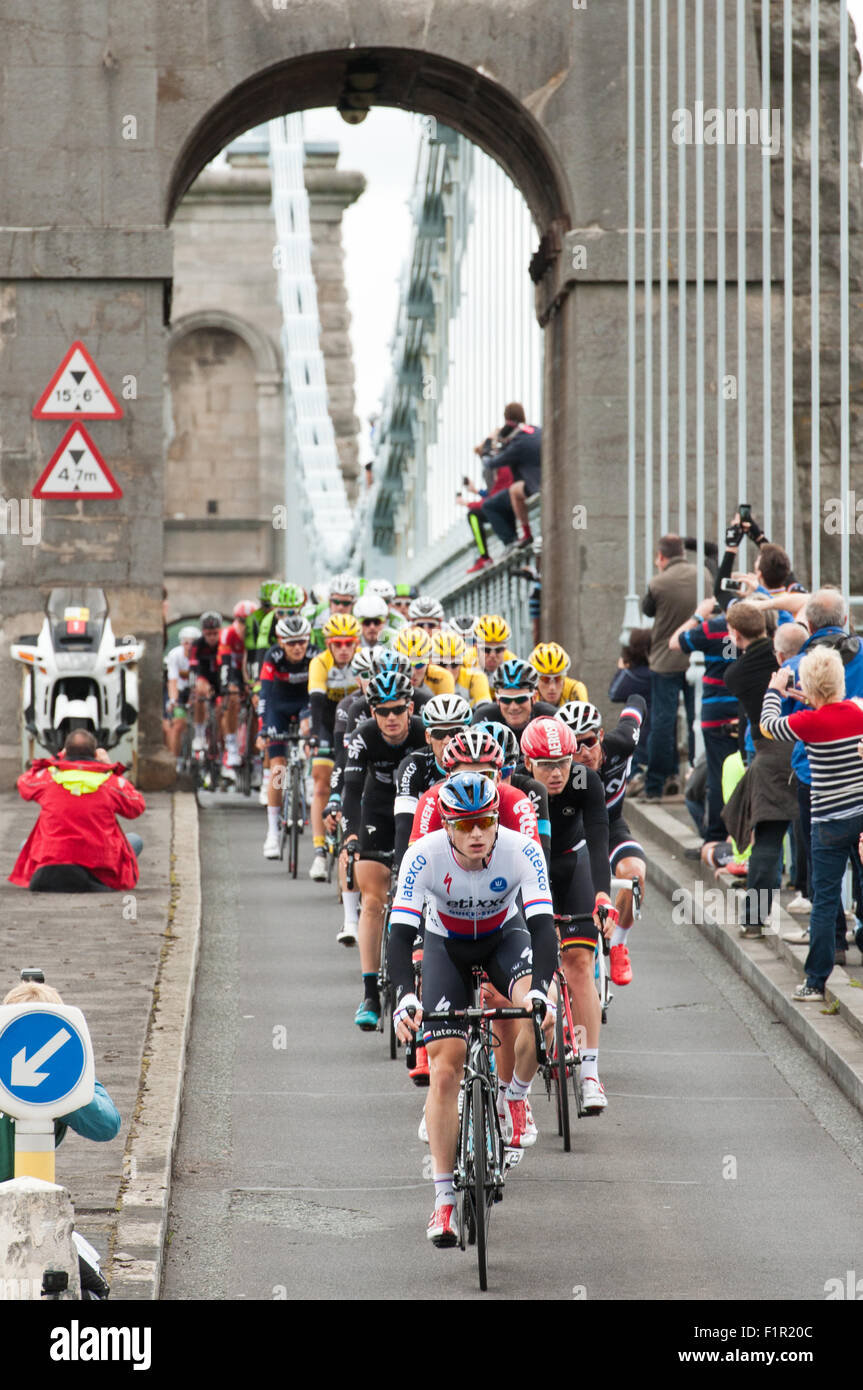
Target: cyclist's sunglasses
pixel 386 710
pixel 342 602
pixel 427 624
pixel 373 622
pixel 587 741
pixel 497 650
pixel 294 641
pixel 489 772
pixel 513 699
pixel 466 825
pixel 550 763
pixel 440 732
pixel 342 644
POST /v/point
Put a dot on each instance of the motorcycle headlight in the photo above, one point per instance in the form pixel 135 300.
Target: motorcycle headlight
pixel 73 661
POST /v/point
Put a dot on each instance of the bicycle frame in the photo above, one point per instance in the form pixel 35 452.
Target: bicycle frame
pixel 480 1169
pixel 628 885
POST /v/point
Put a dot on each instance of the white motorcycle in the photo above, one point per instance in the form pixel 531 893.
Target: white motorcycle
pixel 78 675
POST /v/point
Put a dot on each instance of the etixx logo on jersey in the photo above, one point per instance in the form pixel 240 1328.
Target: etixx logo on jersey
pixel 497 885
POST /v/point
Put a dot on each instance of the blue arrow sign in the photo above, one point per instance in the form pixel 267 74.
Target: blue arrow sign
pixel 42 1058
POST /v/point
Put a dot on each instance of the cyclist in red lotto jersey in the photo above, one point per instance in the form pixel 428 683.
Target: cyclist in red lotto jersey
pixel 475 748
pixel 580 878
pixel 230 663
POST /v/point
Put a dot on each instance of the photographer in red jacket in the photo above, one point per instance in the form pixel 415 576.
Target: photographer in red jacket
pixel 76 844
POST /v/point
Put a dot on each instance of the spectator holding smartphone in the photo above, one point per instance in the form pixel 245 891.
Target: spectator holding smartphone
pixel 829 731
pixel 762 804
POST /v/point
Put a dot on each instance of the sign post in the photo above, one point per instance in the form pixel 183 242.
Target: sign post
pixel 46 1071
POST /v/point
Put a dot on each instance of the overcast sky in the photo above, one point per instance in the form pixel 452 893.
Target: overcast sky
pixel 376 235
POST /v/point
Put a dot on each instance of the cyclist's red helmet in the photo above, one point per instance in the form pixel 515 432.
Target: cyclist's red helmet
pixel 473 748
pixel 245 608
pixel 548 738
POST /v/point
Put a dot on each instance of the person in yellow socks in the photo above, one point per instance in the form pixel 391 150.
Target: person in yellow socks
pixel 330 679
pixel 551 664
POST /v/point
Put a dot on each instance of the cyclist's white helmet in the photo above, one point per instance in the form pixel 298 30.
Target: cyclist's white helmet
pixel 446 709
pixel 189 634
pixel 294 628
pixel 582 718
pixel 370 606
pixel 426 609
pixel 344 584
pixel 362 663
pixel 383 588
pixel 464 624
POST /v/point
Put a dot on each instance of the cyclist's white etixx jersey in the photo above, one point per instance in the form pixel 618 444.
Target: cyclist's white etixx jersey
pixel 466 903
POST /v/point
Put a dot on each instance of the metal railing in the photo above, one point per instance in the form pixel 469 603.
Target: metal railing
pixel 504 587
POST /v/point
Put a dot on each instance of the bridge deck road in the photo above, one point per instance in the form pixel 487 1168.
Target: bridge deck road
pixel 727 1165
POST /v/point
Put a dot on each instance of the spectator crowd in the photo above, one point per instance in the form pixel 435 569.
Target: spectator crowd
pixel 779 785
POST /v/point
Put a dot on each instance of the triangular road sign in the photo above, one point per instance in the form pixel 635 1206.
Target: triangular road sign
pixel 77 470
pixel 77 391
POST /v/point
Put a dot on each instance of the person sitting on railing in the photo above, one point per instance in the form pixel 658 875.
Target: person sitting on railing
pixel 499 514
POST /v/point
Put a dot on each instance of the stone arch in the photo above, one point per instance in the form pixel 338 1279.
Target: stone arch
pixel 463 97
pixel 267 357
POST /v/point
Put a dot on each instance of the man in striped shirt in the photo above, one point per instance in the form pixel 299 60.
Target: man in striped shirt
pixel 831 731
pixel 707 631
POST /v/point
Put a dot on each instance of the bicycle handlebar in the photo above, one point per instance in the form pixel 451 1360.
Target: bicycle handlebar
pixel 477 1013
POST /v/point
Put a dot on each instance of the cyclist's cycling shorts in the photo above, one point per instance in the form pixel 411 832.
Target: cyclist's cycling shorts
pixel 505 955
pixel 621 845
pixel 324 754
pixel 573 896
pixel 377 835
pixel 278 739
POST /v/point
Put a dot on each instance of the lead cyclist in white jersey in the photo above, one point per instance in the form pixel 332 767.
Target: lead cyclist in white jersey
pixel 469 875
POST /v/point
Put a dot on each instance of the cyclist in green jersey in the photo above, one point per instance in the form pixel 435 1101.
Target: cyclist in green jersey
pixel 286 602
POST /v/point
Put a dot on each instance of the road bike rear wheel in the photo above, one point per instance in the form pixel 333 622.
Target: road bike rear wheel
pixel 560 1048
pixel 466 1214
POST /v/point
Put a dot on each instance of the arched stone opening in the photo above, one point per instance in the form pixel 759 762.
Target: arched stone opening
pixel 413 80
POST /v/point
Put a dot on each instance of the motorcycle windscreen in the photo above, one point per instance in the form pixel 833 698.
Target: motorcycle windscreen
pixel 77 617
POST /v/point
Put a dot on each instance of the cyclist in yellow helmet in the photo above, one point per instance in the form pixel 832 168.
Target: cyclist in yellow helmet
pixel 330 679
pixel 492 636
pixel 416 645
pixel 551 664
pixel 448 650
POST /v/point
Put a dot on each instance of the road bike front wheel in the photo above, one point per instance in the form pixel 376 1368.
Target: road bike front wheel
pixel 296 813
pixel 482 1146
pixel 560 1049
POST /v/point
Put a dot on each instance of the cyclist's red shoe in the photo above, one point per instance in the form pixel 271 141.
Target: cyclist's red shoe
pixel 419 1072
pixel 516 1132
pixel 621 969
pixel 481 564
pixel 441 1229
